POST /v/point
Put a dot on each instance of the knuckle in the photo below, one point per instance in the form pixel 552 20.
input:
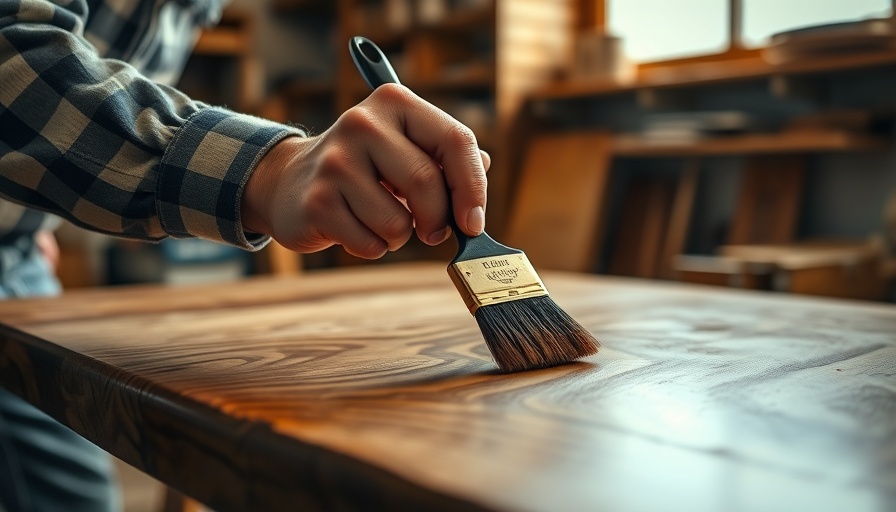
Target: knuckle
pixel 460 136
pixel 392 93
pixel 359 119
pixel 319 202
pixel 334 162
pixel 422 175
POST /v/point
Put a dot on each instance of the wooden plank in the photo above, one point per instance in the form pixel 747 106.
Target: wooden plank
pixel 771 192
pixel 862 281
pixel 764 143
pixel 223 41
pixel 545 25
pixel 98 302
pixel 680 217
pixel 558 213
pixel 592 16
pixel 806 253
pixel 708 73
pixel 832 268
pixel 372 390
pixel 637 248
pixel 282 261
pixel 722 271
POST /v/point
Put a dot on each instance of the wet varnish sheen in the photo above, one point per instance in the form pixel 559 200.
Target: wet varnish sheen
pixel 371 389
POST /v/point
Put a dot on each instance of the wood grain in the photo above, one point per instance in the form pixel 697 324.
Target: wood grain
pixel 371 389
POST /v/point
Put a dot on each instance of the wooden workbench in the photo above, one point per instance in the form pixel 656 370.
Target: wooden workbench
pixel 372 389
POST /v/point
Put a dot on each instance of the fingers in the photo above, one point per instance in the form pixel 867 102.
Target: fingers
pixel 380 212
pixel 345 229
pixel 450 143
pixel 386 166
pixel 415 176
pixel 352 208
pixel 486 159
pixel 329 220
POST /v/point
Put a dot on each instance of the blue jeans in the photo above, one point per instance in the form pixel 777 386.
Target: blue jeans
pixel 45 466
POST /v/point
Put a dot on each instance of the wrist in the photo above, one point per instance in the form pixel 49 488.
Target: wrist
pixel 255 204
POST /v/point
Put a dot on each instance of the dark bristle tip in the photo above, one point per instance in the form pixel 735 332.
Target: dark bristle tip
pixel 533 333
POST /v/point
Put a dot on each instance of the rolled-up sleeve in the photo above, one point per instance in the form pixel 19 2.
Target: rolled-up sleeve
pixel 94 141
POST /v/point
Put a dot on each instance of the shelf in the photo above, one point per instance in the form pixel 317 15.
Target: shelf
pixel 470 83
pixel 222 41
pixel 306 6
pixel 795 256
pixel 424 88
pixel 796 142
pixel 459 21
pixel 315 88
pixel 707 73
pixel 232 37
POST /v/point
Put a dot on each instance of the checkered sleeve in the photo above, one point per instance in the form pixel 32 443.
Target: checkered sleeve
pixel 94 141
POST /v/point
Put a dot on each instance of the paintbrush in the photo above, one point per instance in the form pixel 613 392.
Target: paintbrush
pixel 522 326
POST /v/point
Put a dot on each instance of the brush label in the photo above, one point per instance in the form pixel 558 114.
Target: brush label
pixel 493 280
pixel 506 275
pixel 495 263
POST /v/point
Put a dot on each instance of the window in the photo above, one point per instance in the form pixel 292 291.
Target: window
pixel 663 29
pixel 654 30
pixel 762 18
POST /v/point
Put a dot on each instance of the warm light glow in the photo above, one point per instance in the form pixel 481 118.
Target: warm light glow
pixel 655 30
pixel 762 18
pixel 659 29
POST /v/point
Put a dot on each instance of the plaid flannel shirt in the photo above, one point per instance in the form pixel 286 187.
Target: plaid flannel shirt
pixel 89 132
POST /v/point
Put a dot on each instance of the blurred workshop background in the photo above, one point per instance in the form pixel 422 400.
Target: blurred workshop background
pixel 735 143
pixel 739 143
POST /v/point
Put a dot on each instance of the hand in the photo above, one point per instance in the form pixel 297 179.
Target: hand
pixel 49 249
pixel 383 169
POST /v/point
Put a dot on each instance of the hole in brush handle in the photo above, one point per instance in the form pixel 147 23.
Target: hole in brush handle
pixel 370 51
pixel 371 62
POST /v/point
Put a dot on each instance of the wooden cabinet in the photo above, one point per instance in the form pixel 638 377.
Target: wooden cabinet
pixel 845 99
pixel 224 69
pixel 444 51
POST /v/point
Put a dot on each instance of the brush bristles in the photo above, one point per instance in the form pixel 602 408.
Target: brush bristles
pixel 533 333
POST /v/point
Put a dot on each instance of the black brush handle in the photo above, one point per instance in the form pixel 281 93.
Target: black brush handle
pixel 375 68
pixel 376 71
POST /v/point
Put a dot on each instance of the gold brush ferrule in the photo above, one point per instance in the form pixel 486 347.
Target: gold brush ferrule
pixel 497 279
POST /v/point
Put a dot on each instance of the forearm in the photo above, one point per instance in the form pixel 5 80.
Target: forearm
pixel 94 141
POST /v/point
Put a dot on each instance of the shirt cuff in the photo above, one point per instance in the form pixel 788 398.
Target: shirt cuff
pixel 204 171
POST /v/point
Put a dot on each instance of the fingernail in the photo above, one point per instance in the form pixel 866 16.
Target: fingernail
pixel 439 236
pixel 476 220
pixel 486 159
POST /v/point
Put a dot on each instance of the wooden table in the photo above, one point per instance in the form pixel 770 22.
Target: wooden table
pixel 372 389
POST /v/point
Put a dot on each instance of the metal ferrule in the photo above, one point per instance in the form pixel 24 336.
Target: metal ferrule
pixel 497 279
